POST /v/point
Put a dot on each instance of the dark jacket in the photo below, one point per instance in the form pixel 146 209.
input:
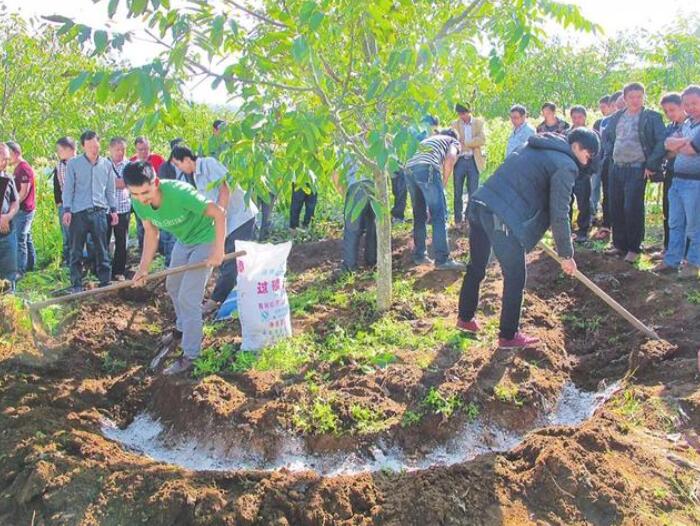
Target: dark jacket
pixel 652 134
pixel 531 191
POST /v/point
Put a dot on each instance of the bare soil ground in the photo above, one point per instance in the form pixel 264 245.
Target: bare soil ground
pixel 636 461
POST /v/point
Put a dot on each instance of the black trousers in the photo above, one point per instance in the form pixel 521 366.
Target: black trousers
pixel 582 195
pixel 627 186
pixel 121 233
pixel 400 191
pixel 91 222
pixel 301 199
pixel 486 232
pixel 605 187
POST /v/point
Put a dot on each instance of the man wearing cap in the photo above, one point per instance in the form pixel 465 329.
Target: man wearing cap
pixel 471 162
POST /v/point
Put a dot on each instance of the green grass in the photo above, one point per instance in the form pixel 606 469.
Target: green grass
pixel 316 418
pixel 588 324
pixel 693 296
pixel 112 365
pixel 212 360
pixel 367 420
pixel 508 394
pixel 441 405
pixel 410 418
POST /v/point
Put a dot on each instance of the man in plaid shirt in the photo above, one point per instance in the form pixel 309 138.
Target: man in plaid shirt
pixel 117 153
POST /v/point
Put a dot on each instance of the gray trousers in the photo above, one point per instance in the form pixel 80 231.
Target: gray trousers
pixel 186 290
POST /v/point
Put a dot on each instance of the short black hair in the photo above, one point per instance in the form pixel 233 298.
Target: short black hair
pixel 693 89
pixel 174 142
pixel 462 108
pixel 633 86
pixel 88 135
pixel 449 132
pixel 14 147
pixel 604 99
pixel 522 110
pixel 66 142
pixel 586 139
pixel 138 173
pixel 578 109
pixel 615 96
pixel 218 123
pixel 117 140
pixel 181 151
pixel 549 106
pixel 141 140
pixel 671 98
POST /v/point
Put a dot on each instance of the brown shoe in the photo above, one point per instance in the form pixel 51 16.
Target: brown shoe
pixel 663 268
pixel 631 257
pixel 689 271
pixel 616 252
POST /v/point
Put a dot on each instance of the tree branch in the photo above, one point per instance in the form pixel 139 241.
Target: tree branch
pixel 257 15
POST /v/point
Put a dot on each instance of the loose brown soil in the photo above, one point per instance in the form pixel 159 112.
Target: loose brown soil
pixel 637 461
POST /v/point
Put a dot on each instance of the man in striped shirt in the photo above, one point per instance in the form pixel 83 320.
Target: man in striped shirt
pixel 426 174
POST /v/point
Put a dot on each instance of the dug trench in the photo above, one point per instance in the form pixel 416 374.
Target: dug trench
pixel 521 438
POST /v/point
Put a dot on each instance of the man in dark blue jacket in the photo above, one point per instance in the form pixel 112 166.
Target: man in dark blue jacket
pixel 634 137
pixel 530 192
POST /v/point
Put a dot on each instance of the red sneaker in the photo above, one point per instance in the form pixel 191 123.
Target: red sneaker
pixel 519 341
pixel 468 326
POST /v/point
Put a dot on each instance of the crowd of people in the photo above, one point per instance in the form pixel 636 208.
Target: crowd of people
pixel 187 210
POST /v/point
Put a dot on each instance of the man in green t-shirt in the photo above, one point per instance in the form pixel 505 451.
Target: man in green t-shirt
pixel 199 226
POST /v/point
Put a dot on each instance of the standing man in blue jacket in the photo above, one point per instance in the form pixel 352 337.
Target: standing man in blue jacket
pixel 510 213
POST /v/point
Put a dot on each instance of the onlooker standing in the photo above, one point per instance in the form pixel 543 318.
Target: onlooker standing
pixel 210 178
pixel 9 207
pixel 143 153
pixel 168 171
pixel 635 136
pixel 88 195
pixel 302 197
pixel 471 135
pixel 522 130
pixel 25 182
pixel 597 180
pixel 582 186
pixel 266 206
pixel 672 104
pixel 357 193
pixel 426 174
pixel 65 151
pixel 684 195
pixel 217 145
pixel 551 122
pixel 616 103
pixel 117 153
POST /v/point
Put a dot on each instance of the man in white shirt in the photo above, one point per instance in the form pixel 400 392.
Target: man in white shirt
pixel 240 217
pixel 471 162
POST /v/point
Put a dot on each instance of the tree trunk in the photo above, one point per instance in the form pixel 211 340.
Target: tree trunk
pixel 384 274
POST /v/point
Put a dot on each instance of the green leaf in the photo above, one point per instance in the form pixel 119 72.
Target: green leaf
pixel 58 19
pixel 78 81
pixel 315 20
pixel 138 7
pixel 300 49
pixel 112 8
pixel 101 39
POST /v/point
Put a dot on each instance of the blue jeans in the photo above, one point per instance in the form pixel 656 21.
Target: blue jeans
pixel 228 272
pixel 427 193
pixel 465 170
pixel 683 222
pixel 26 255
pixel 8 257
pixel 485 232
pixel 400 191
pixel 166 242
pixel 92 222
pixel 354 228
pixel 627 185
